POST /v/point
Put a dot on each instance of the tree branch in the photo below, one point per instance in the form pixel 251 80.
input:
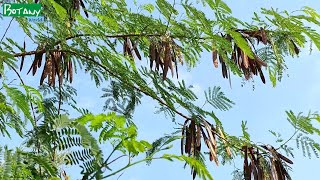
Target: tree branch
pixel 124 82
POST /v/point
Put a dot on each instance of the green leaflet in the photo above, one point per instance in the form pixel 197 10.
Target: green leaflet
pixel 217 99
pixel 5 55
pixel 20 100
pixel 35 97
pixel 148 7
pixel 310 11
pixel 5 108
pixel 136 147
pixel 166 8
pixel 242 43
pixel 5 58
pixel 97 120
pixel 62 13
pixel 107 21
pixel 55 178
pixel 199 167
pixel 43 161
pixel 244 128
pixel 273 77
pixel 219 5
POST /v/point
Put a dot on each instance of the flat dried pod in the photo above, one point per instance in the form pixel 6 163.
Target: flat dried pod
pixel 127 48
pixel 194 174
pixel 284 158
pixel 40 62
pixel 245 60
pixel 192 128
pixel 22 57
pixel 180 57
pixel 188 141
pixel 162 52
pixel 183 134
pixel 213 155
pixel 240 61
pixel 157 60
pixel 58 66
pixel 284 171
pixel 70 70
pixel 254 171
pixel 274 152
pixel 255 165
pixel 34 66
pixel 152 53
pixel 223 67
pixel 246 72
pixel 261 74
pixel 261 173
pixel 252 66
pixel 260 62
pixel 44 72
pixel 22 62
pixel 175 62
pixel 136 51
pixel 210 131
pixel 273 171
pixel 246 168
pixel 215 58
pixel 263 36
pixel 280 172
pixel 52 73
pixel 166 60
pixel 234 55
pixel 67 66
pixel 210 142
pixel 50 68
pixel 224 141
pixel 296 49
pixel 260 35
pixel 198 140
pixel 171 67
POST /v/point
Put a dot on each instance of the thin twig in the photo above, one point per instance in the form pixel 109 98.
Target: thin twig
pixel 129 165
pixel 105 163
pixel 295 132
pixel 116 159
pixel 6 30
pixel 174 3
pixel 120 175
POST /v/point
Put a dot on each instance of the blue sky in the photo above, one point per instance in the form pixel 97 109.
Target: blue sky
pixel 264 108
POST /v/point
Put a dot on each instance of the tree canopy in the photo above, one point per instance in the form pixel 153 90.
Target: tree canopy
pixel 133 50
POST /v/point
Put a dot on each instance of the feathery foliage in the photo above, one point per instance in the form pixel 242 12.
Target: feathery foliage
pixel 107 44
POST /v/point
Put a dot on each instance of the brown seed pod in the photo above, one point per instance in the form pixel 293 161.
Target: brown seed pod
pixel 215 58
